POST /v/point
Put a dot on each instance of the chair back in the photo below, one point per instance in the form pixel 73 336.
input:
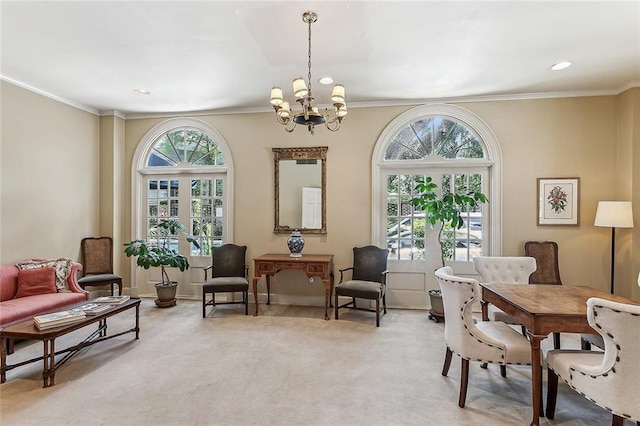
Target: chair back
pixel 369 263
pixel 460 332
pixel 228 260
pixel 504 269
pixel 97 255
pixel 546 255
pixel 615 383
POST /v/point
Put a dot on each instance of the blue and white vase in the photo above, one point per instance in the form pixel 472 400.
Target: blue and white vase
pixel 295 244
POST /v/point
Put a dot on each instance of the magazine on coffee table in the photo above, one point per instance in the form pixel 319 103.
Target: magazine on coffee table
pixel 112 300
pixel 55 319
pixel 94 308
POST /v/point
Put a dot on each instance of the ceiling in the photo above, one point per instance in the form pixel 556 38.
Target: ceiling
pixel 226 55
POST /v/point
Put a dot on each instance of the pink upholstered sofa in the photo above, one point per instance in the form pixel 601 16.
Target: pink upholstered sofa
pixel 14 309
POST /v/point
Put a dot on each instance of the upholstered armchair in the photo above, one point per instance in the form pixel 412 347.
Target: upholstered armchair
pixel 610 379
pixel 229 274
pixel 485 342
pixel 368 280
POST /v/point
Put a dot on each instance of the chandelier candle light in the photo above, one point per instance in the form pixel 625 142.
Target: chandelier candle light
pixel 310 115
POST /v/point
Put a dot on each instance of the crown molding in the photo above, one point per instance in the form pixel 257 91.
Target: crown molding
pixel 69 102
pixel 369 104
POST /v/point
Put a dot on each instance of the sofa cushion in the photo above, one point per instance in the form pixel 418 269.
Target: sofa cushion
pixel 36 281
pixel 25 307
pixel 61 265
pixel 8 282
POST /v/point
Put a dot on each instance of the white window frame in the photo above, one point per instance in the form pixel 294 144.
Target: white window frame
pixel 492 163
pixel 139 170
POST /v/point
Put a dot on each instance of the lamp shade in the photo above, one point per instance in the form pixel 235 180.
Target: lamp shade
pixel 614 214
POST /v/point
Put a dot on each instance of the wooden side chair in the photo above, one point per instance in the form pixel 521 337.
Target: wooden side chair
pixel 229 274
pixel 368 280
pixel 97 264
pixel 485 341
pixel 610 379
pixel 548 271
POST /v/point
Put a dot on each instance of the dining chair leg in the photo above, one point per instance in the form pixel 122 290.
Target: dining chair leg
pixel 245 297
pixel 503 370
pixel 616 420
pixel 384 303
pixel 464 381
pixel 447 361
pixel 584 345
pixel 377 312
pixel 552 393
pixel 335 307
pixel 204 304
pixel 556 340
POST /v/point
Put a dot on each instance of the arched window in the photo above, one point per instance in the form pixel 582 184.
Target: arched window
pixel 459 152
pixel 183 170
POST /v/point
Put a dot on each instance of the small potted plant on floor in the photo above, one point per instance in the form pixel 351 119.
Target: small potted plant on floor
pixel 156 251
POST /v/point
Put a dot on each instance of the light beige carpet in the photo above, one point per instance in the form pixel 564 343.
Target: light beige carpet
pixel 285 367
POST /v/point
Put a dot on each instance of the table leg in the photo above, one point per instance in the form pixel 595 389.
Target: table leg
pixel 485 310
pixel 137 321
pixel 3 360
pixel 255 294
pixel 327 292
pixel 536 377
pixel 48 363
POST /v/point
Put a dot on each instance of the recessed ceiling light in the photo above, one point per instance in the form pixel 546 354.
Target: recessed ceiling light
pixel 561 65
pixel 325 80
pixel 142 91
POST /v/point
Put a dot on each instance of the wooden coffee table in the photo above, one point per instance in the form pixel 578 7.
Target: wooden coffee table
pixel 26 330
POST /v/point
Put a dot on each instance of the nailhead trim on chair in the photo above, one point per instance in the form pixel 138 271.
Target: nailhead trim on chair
pixel 613 369
pixel 470 300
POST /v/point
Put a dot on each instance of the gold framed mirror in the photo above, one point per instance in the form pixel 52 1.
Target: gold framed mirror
pixel 300 190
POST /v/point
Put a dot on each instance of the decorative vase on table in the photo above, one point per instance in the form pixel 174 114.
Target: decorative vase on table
pixel 295 243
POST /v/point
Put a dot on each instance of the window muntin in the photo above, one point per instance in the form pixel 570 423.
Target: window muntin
pixel 207 214
pixel 185 145
pixel 434 135
pixel 444 139
pixel 406 225
pixel 201 166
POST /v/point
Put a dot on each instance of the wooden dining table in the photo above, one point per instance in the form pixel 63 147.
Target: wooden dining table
pixel 544 309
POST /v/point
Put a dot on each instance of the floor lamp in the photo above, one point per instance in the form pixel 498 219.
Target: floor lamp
pixel 614 214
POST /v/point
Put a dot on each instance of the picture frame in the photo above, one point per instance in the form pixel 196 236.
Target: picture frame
pixel 558 201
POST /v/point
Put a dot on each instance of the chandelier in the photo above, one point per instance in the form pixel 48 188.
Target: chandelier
pixel 310 115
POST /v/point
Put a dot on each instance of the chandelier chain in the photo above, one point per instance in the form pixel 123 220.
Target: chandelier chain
pixel 309 62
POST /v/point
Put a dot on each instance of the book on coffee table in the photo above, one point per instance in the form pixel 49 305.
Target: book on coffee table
pixel 112 300
pixel 55 319
pixel 94 308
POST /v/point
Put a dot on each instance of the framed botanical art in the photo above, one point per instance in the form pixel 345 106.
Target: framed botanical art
pixel 559 201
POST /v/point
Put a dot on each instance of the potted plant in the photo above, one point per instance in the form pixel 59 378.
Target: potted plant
pixel 444 210
pixel 156 251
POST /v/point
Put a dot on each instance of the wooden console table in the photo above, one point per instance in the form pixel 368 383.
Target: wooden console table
pixel 314 265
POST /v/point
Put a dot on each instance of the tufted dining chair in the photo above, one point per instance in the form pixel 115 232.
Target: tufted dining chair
pixel 610 379
pixel 229 274
pixel 503 269
pixel 485 342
